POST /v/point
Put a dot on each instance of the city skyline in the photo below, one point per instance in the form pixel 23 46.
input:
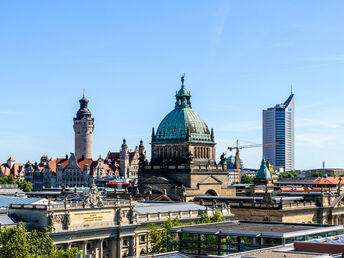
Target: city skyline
pixel 130 62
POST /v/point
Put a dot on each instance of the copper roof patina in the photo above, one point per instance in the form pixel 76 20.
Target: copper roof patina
pixel 183 123
pixel 263 171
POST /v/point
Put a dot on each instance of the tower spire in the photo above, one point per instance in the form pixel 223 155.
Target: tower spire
pixel 291 88
pixel 183 96
pixel 182 79
pixel 83 93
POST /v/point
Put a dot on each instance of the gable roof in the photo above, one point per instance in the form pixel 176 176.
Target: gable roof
pixel 328 180
pixel 116 156
pixel 14 170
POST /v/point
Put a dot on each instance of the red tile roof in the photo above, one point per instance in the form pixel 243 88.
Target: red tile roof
pixel 115 156
pixel 16 168
pixel 81 163
pixel 328 181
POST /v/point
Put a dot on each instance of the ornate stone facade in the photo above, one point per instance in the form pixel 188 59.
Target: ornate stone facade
pixel 68 171
pixel 126 161
pixel 114 229
pixel 183 156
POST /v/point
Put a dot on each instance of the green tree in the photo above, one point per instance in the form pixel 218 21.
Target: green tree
pixel 158 235
pixel 320 174
pixel 17 242
pixel 23 185
pixel 288 174
pixel 245 179
pixel 217 217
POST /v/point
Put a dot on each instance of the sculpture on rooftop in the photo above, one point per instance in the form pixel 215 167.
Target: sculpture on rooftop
pixel 93 198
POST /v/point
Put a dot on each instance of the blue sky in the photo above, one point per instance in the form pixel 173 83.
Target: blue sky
pixel 238 56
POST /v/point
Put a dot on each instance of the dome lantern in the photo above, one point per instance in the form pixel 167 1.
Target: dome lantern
pixel 183 96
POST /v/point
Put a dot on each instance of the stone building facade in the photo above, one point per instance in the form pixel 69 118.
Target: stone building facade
pixel 83 129
pixel 106 228
pixel 69 171
pixel 125 160
pixel 183 156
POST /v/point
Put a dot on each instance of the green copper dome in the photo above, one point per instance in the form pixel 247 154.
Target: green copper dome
pixel 183 123
pixel 263 171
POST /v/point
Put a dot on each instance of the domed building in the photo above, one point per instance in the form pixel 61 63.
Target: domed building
pixel 183 155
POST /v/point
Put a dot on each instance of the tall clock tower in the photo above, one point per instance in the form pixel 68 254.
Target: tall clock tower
pixel 83 129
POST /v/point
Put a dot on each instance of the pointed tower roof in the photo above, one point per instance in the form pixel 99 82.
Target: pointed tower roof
pixel 263 172
pixel 83 110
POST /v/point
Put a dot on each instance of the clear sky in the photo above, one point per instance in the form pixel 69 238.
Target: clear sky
pixel 239 57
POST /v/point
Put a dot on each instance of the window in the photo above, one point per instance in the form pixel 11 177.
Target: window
pixel 142 239
pixel 125 242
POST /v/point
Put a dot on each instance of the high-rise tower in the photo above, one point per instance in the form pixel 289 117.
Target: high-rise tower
pixel 83 128
pixel 278 126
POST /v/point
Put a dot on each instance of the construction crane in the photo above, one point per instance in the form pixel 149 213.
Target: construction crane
pixel 237 156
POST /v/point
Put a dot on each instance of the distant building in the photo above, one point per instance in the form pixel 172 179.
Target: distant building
pixel 126 161
pixel 231 162
pixel 12 168
pixel 67 171
pixel 233 175
pixel 11 190
pixel 278 127
pixel 328 171
pixel 83 128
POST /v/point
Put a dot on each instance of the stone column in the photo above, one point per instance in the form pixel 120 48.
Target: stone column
pixel 100 248
pixel 131 247
pixel 113 251
pixel 84 247
pixel 119 247
pixel 137 250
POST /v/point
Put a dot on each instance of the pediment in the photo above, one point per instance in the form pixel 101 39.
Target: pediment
pixel 157 180
pixel 163 198
pixel 211 180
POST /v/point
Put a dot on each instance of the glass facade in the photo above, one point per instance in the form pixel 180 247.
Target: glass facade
pixel 278 127
pixel 217 244
pixel 280 137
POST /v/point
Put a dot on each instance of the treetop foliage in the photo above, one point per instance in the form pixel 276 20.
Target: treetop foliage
pixel 23 185
pixel 17 242
pixel 320 174
pixel 245 179
pixel 288 174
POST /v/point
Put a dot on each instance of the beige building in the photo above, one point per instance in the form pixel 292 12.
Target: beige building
pixel 107 229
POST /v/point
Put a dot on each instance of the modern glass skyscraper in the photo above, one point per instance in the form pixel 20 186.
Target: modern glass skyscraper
pixel 278 127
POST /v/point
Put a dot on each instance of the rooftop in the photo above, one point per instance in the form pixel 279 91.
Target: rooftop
pixel 254 228
pixel 163 207
pixel 275 252
pixel 6 201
